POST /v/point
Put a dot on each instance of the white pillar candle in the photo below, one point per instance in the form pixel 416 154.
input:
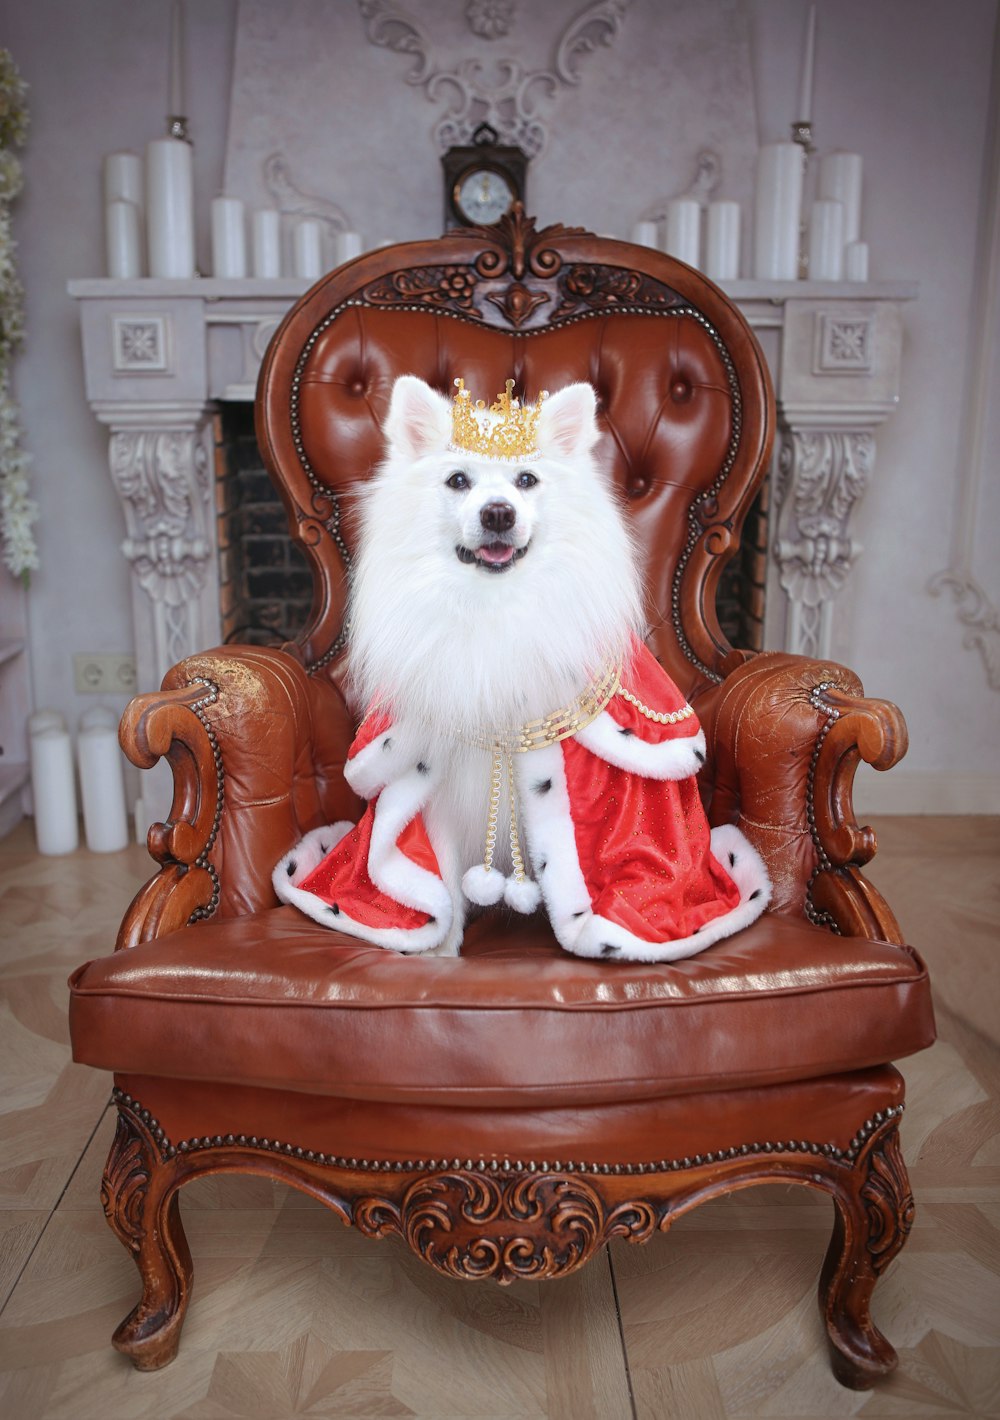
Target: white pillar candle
pixel 856 261
pixel 777 211
pixel 101 785
pixel 683 229
pixel 170 208
pixel 826 241
pixel 645 234
pixel 266 242
pixel 229 243
pixel 349 245
pixel 123 179
pixel 840 180
pixel 722 249
pixel 307 250
pixel 122 241
pixel 53 785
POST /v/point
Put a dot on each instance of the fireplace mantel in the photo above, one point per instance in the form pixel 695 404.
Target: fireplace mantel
pixel 159 355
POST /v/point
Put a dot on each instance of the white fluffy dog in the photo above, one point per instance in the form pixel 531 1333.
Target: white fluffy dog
pixel 495 626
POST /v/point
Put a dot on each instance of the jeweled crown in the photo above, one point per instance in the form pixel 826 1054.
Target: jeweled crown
pixel 506 430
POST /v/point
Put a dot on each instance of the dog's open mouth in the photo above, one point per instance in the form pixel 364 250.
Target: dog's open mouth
pixel 492 556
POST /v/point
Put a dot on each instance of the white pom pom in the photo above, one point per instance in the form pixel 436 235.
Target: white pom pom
pixel 483 886
pixel 523 896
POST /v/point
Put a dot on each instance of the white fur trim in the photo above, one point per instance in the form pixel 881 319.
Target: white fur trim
pixel 523 896
pixel 396 939
pixel 600 938
pixel 670 759
pixel 307 854
pixel 372 768
pixel 548 827
pixel 400 877
pixel 483 886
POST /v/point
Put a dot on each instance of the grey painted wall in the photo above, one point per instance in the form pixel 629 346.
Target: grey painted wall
pixel 905 82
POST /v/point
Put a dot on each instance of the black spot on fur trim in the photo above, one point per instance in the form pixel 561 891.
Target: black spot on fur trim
pixel 387 742
pixel 290 867
pixel 543 866
pixel 422 768
pixel 755 893
pixel 334 908
pixel 608 949
pixel 732 860
pixel 543 786
pixel 431 921
pixel 324 848
pixel 578 914
pixel 626 731
pixel 699 756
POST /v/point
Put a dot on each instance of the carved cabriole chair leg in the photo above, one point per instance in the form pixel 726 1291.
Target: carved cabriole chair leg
pixel 874 1214
pixel 139 1194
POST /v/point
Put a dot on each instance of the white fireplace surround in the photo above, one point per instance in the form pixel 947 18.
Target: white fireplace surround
pixel 159 355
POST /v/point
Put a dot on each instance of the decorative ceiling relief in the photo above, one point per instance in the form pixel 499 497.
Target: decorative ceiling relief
pixel 502 92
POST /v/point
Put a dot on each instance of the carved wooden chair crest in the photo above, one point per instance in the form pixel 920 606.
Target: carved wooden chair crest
pixel 492 1128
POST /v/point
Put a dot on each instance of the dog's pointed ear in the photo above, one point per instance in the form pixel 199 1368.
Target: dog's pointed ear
pixel 567 426
pixel 419 419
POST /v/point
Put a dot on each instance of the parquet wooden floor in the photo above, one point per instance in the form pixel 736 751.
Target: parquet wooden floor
pixel 293 1315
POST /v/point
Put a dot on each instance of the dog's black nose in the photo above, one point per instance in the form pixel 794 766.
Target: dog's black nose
pixel 498 517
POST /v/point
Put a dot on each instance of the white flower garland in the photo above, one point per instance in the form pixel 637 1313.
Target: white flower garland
pixel 18 512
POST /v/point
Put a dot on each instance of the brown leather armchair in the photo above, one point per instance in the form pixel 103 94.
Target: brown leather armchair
pixel 508 1112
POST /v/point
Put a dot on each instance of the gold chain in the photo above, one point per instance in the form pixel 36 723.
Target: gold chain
pixel 515 844
pixel 496 774
pixel 559 724
pixel 662 717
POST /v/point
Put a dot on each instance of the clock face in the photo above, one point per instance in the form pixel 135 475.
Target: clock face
pixel 483 195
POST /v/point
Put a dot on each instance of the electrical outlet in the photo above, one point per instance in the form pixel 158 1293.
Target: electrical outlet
pixel 99 673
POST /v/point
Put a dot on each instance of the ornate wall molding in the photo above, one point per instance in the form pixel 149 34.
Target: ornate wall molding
pixel 502 92
pixel 972 604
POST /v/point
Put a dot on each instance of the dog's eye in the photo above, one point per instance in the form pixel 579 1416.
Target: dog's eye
pixel 458 480
pixel 525 479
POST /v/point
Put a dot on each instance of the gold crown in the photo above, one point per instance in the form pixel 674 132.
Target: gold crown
pixel 511 435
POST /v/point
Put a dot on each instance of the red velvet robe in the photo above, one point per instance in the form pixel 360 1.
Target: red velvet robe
pixel 617 839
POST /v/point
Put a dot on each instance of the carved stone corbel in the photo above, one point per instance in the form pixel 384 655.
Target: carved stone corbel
pixel 822 474
pixel 161 469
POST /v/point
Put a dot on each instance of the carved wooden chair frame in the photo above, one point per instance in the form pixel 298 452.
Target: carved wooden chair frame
pixel 475 1217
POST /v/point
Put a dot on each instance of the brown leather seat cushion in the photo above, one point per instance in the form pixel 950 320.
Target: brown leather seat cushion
pixel 277 1001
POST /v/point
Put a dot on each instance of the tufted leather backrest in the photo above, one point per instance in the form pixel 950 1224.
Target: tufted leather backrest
pixel 684 400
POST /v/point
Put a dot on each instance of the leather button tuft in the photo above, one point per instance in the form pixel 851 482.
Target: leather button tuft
pixel 357 386
pixel 680 390
pixel 637 485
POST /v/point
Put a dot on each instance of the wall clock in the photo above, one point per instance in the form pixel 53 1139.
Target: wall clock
pixel 482 180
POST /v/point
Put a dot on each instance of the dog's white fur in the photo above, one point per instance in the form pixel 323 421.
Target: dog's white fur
pixel 453 645
pixel 455 651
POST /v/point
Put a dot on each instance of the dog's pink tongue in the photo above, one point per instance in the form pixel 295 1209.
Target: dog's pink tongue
pixel 498 554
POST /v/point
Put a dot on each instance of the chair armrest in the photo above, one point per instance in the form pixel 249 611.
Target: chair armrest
pixel 787 734
pixel 257 747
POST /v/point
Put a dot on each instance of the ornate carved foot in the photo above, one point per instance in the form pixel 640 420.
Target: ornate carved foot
pixel 140 1204
pixel 874 1214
